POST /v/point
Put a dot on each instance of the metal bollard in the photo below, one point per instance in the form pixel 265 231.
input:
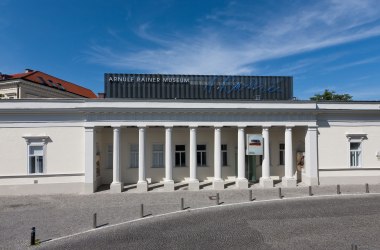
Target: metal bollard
pixel 217 199
pixel 310 191
pixel 338 189
pixel 94 223
pixel 142 211
pixel 250 195
pixel 279 193
pixel 367 188
pixel 33 236
pixel 182 204
pixel 354 247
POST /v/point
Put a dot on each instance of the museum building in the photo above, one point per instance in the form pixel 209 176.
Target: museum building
pixel 186 132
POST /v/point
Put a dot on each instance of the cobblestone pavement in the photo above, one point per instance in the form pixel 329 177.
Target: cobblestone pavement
pixel 56 216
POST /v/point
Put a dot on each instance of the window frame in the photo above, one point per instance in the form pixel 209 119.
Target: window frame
pixel 355 138
pixel 224 155
pixel 358 154
pixel 181 153
pixel 281 154
pixel 203 154
pixel 160 154
pixel 36 141
pixel 134 156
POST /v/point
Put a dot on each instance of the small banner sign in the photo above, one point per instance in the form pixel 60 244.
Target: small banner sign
pixel 254 144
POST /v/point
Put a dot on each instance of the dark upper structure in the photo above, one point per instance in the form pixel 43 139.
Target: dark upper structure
pixel 160 86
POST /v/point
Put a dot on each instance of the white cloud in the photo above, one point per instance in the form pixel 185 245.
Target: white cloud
pixel 229 42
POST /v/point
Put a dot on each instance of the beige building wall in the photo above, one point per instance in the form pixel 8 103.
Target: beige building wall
pixel 64 160
pixel 334 155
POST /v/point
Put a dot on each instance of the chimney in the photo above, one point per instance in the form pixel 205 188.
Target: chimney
pixel 28 70
pixel 101 95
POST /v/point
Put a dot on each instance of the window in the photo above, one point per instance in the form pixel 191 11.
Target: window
pixel 36 146
pixel 36 159
pixel 224 155
pixel 158 155
pixel 109 156
pixel 201 155
pixel 180 155
pixel 134 156
pixel 282 154
pixel 355 154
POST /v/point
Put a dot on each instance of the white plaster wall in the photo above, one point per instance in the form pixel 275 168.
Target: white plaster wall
pixel 334 146
pixel 64 154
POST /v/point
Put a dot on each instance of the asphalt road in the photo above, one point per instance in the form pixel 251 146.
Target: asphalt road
pixel 307 223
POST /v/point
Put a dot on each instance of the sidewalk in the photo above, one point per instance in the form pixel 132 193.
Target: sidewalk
pixel 60 215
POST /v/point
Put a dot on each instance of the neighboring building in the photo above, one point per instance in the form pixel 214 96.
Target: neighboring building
pixel 36 84
pixel 186 129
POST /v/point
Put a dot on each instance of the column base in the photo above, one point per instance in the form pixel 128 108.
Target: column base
pixel 116 187
pixel 218 184
pixel 289 182
pixel 194 185
pixel 89 188
pixel 266 182
pixel 310 181
pixel 242 183
pixel 169 185
pixel 142 186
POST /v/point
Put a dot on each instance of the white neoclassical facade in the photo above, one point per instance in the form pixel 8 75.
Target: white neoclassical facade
pixel 78 145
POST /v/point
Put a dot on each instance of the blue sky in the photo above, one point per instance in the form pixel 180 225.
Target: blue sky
pixel 332 44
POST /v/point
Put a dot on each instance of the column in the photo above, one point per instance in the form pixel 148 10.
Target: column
pixel 218 183
pixel 193 181
pixel 142 184
pixel 289 180
pixel 89 161
pixel 310 177
pixel 265 180
pixel 168 182
pixel 116 185
pixel 241 181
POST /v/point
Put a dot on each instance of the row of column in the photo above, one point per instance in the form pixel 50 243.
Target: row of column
pixel 218 183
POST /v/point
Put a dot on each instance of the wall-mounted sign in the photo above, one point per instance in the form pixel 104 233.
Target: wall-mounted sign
pixel 159 86
pixel 254 144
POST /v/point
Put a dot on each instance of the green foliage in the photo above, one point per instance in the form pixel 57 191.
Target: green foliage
pixel 330 95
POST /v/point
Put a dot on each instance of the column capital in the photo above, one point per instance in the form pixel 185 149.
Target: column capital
pixel 289 126
pixel 266 127
pixel 313 127
pixel 193 126
pixel 168 126
pixel 89 128
pixel 218 127
pixel 116 127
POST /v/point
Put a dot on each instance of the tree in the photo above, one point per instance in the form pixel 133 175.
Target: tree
pixel 330 95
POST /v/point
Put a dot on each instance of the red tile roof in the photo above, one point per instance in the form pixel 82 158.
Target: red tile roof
pixel 53 82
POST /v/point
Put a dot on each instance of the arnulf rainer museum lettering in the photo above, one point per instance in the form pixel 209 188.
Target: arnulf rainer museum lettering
pixel 158 86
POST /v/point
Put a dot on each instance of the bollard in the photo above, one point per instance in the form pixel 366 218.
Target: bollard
pixel 367 188
pixel 279 193
pixel 310 191
pixel 142 211
pixel 217 199
pixel 33 236
pixel 338 189
pixel 94 223
pixel 250 195
pixel 182 204
pixel 354 247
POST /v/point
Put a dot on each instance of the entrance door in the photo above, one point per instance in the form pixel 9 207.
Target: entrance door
pixel 250 167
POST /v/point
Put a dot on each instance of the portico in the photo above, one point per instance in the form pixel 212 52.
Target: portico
pixel 214 153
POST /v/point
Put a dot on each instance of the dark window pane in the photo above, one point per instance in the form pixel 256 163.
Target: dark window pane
pixel 180 147
pixel 177 159
pixel 183 159
pixel 282 146
pixel 224 146
pixel 201 147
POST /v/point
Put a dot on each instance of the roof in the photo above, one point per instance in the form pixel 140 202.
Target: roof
pixel 53 82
